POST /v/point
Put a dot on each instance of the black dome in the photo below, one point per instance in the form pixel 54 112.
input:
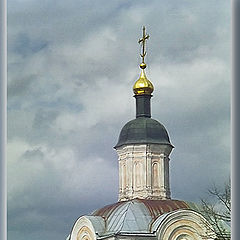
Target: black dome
pixel 143 130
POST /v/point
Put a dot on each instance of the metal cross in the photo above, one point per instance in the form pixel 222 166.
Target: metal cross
pixel 143 40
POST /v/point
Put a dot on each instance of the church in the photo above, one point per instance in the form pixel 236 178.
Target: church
pixel 144 209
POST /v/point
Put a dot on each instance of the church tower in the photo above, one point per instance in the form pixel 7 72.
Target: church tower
pixel 145 210
pixel 143 147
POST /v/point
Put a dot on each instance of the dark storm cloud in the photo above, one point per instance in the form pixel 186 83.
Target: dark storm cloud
pixel 35 154
pixel 71 69
pixel 20 87
pixel 24 46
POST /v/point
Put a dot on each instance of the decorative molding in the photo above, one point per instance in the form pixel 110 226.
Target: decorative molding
pixel 83 230
pixel 183 223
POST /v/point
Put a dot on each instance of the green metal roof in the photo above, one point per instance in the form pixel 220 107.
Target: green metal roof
pixel 143 130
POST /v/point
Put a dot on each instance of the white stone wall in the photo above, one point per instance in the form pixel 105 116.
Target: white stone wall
pixel 144 171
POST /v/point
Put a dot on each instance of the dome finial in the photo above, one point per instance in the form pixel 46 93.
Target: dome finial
pixel 143 86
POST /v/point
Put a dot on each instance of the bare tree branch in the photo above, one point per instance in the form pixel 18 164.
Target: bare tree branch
pixel 219 211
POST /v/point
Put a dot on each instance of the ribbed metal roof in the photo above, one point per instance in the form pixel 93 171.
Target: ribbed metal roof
pixel 136 215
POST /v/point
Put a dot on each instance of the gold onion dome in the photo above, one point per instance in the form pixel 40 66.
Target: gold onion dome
pixel 143 85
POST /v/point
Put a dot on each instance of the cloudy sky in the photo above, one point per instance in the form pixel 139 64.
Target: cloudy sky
pixel 71 68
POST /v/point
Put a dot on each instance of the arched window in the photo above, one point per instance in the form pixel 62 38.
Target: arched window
pixel 124 176
pixel 138 174
pixel 155 175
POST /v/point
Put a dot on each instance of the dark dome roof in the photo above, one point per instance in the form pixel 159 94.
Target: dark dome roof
pixel 143 130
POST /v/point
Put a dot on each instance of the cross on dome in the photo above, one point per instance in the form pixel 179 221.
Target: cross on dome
pixel 143 41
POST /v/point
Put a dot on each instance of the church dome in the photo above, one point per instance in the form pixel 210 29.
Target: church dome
pixel 136 215
pixel 143 219
pixel 143 130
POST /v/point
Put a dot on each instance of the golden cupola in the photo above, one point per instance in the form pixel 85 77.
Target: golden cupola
pixel 143 86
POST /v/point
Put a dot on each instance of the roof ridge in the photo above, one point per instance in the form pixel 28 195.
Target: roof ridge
pixel 125 214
